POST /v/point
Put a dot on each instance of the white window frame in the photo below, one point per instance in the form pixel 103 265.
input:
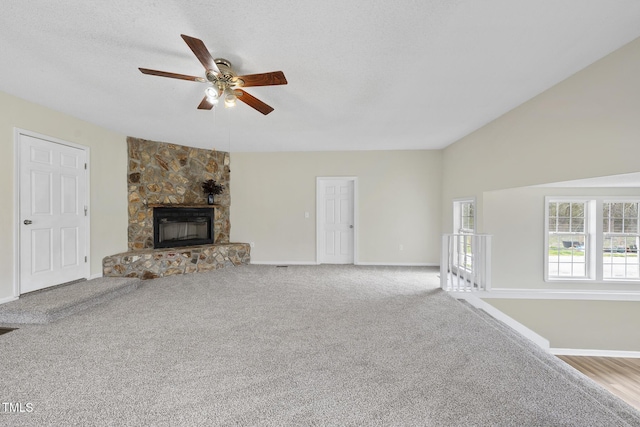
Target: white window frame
pixel 457 216
pixel 623 235
pixel 594 238
pixel 589 230
pixel 465 256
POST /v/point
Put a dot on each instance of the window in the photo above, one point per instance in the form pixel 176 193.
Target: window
pixel 593 239
pixel 567 239
pixel 464 226
pixel 620 240
pixel 466 217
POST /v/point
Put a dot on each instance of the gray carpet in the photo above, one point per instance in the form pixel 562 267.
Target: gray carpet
pixel 322 345
pixel 49 305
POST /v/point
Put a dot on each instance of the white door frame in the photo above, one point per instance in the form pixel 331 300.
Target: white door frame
pixel 16 201
pixel 320 213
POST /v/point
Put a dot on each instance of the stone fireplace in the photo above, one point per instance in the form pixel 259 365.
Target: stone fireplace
pixel 163 178
pixel 162 174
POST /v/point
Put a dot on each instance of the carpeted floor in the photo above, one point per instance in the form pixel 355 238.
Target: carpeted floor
pixel 51 304
pixel 303 345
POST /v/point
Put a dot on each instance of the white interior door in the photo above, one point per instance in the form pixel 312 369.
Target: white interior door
pixel 336 221
pixel 53 221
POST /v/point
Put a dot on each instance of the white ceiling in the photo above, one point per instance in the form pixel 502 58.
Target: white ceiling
pixel 363 75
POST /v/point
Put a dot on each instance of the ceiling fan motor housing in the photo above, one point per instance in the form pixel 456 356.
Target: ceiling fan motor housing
pixel 227 77
pixel 225 69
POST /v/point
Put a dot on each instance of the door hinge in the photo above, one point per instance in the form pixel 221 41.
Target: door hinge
pixel 85 166
pixel 85 210
pixel 85 258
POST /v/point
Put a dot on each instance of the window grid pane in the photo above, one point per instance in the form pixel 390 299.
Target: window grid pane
pixel 466 217
pixel 620 241
pixel 467 226
pixel 567 251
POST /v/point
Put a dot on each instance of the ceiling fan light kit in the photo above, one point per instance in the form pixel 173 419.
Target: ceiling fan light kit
pixel 222 80
pixel 212 93
pixel 229 98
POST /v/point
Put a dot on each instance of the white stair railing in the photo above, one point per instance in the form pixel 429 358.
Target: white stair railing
pixel 465 264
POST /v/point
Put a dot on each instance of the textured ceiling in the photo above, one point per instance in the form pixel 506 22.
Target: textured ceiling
pixel 363 75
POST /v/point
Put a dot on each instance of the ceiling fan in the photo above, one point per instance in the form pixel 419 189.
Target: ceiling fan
pixel 222 81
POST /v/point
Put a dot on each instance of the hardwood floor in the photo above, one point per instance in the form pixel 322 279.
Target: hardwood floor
pixel 621 376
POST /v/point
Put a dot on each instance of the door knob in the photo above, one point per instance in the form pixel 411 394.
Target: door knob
pixel 28 222
pixel 351 226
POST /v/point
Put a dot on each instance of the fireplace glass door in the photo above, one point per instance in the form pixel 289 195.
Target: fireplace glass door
pixel 177 227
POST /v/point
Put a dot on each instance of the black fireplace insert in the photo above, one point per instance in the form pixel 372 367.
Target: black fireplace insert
pixel 178 227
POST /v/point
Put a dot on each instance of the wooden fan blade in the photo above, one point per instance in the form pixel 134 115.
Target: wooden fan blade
pixel 253 102
pixel 205 104
pixel 264 79
pixel 171 75
pixel 201 52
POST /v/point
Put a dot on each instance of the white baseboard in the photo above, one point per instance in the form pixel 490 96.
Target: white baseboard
pixel 7 299
pixel 95 276
pixel 594 353
pixel 382 264
pixel 283 262
pixel 398 264
pixel 472 299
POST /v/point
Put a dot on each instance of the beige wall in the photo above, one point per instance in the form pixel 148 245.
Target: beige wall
pixel 398 203
pixel 567 324
pixel 108 180
pixel 586 126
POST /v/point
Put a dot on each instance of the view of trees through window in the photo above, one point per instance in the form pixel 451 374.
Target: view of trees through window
pixel 467 217
pixel 573 243
pixel 567 239
pixel 620 244
pixel 464 225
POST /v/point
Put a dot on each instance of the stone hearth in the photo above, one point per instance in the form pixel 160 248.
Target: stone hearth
pixel 154 263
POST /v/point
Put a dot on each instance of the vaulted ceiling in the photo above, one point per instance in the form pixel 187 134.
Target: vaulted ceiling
pixel 362 75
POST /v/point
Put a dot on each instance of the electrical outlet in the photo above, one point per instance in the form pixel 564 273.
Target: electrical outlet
pixel 401 247
pixel 306 215
pixel 252 244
